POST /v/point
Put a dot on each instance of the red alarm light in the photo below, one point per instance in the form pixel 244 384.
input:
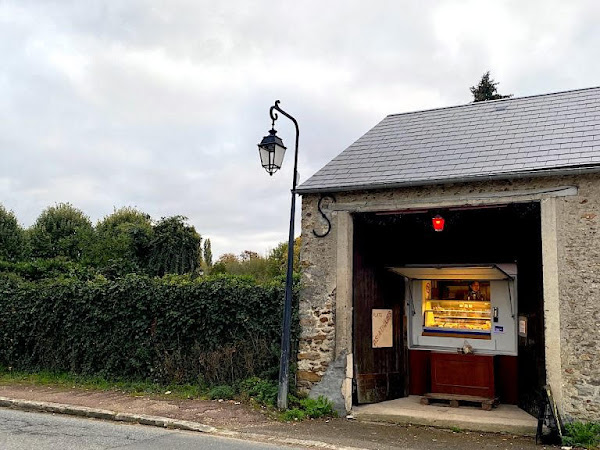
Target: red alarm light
pixel 438 223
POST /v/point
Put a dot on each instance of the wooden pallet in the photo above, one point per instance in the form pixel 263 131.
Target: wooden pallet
pixel 455 400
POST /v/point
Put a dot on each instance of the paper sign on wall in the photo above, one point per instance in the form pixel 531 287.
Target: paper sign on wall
pixel 382 328
pixel 523 326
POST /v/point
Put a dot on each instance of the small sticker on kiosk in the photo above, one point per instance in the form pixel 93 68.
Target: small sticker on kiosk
pixel 498 329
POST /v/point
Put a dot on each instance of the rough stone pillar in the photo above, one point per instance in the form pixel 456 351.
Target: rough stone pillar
pixel 551 300
pixel 343 307
pixel 336 382
pixel 343 310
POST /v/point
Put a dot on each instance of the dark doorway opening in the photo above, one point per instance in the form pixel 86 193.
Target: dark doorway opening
pixel 479 235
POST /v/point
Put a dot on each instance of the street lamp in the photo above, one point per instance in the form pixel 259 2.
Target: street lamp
pixel 272 150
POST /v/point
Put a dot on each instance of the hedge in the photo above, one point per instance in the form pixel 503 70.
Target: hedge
pixel 170 330
pixel 39 269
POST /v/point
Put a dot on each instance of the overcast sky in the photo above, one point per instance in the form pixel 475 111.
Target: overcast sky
pixel 160 104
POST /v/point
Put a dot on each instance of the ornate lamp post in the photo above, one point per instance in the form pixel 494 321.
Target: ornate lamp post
pixel 272 150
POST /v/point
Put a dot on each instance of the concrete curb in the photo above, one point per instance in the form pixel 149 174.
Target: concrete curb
pixel 95 413
pixel 157 421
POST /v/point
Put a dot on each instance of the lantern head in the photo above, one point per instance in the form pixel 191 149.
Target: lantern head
pixel 438 223
pixel 271 150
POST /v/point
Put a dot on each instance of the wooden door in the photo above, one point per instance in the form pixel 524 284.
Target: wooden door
pixel 380 373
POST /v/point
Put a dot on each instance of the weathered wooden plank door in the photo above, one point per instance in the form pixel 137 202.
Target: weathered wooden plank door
pixel 380 373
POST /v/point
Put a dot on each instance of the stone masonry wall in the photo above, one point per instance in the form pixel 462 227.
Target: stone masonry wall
pixel 579 288
pixel 317 303
pixel 578 236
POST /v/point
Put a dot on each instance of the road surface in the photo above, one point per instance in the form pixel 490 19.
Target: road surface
pixel 20 430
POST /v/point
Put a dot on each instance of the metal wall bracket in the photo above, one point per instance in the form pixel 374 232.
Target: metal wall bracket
pixel 319 207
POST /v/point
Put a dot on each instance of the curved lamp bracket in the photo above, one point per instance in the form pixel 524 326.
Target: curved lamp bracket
pixel 272 112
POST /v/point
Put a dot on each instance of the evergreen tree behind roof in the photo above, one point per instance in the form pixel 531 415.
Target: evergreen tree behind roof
pixel 486 89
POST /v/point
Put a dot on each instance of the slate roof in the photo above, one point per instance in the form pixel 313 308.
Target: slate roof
pixel 528 136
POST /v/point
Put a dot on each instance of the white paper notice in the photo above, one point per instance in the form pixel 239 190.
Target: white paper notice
pixel 522 326
pixel 382 328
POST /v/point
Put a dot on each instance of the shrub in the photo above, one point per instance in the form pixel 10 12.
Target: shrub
pixel 221 392
pixel 260 390
pixel 40 269
pixel 304 408
pixel 174 330
pixel 320 407
pixel 582 434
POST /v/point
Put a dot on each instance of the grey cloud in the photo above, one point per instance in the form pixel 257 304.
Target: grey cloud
pixel 160 105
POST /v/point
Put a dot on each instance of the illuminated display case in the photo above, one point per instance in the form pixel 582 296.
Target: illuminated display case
pixel 457 318
pixel 451 306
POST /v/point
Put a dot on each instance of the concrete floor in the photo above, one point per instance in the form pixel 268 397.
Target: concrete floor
pixel 502 419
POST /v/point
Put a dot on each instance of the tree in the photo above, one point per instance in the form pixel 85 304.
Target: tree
pixel 248 263
pixel 278 258
pixel 228 263
pixel 175 247
pixel 486 89
pixel 61 231
pixel 12 237
pixel 123 241
pixel 207 253
pixel 248 255
pixel 262 269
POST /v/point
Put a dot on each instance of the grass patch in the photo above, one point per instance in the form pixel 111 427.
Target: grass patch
pixel 294 414
pixel 67 380
pixel 308 408
pixel 253 390
pixel 580 434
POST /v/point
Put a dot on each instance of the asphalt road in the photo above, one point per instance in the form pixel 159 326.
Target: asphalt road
pixel 21 430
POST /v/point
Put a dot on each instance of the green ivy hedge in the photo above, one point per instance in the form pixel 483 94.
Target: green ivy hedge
pixel 171 330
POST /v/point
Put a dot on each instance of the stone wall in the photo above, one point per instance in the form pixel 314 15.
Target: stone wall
pixel 577 364
pixel 579 292
pixel 317 303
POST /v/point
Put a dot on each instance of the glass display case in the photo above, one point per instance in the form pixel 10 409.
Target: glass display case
pixel 450 307
pixel 457 318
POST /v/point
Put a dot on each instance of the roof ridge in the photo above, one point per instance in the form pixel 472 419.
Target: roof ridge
pixel 487 102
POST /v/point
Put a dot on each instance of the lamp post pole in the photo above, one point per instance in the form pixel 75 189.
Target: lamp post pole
pixel 284 365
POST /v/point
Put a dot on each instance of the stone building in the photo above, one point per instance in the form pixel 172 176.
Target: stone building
pixel 517 182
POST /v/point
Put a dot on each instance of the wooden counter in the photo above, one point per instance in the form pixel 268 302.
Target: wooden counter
pixel 455 373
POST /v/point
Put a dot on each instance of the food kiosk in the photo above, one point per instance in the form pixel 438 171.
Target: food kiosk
pixel 463 316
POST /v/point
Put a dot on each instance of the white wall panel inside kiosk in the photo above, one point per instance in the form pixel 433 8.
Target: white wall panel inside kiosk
pixel 497 315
